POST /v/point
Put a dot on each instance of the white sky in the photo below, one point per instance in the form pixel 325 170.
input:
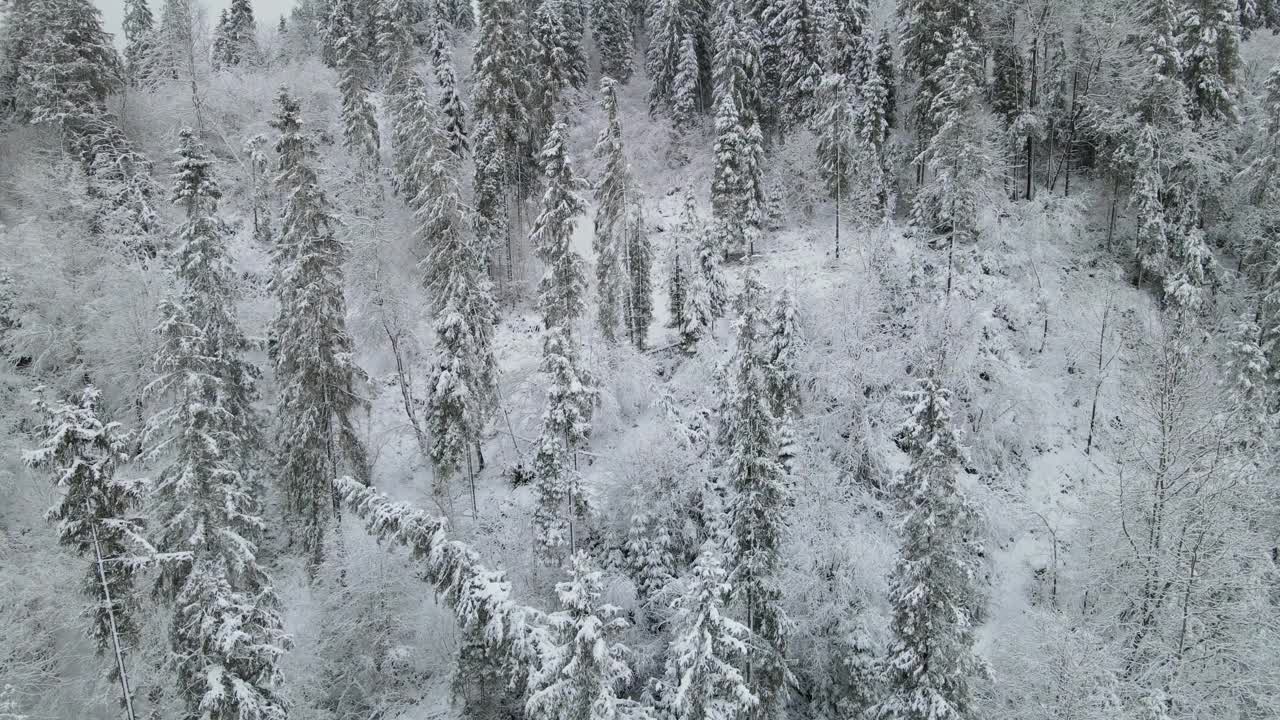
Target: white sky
pixel 266 12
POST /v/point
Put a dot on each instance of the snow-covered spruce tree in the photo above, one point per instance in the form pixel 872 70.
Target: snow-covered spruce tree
pixel 498 94
pixel 69 68
pixel 758 501
pixel 452 107
pixel 959 154
pixel 926 32
pixel 241 34
pixel 1262 193
pixel 218 49
pixel 574 15
pixel 1210 44
pixel 932 587
pixel 613 199
pixel 790 27
pixel 460 15
pixel 227 629
pixel 463 375
pixel 359 124
pixel 707 296
pixel 138 27
pixel 648 553
pixel 411 114
pixel 687 94
pixel 873 114
pixel 611 28
pixel 872 118
pixel 551 69
pixel 678 58
pixel 782 378
pixel 638 265
pixel 586 667
pixel 1191 262
pixel 679 270
pixel 884 63
pixel 259 187
pixel 559 49
pixel 834 126
pixel 316 436
pixel 1152 248
pixel 97 513
pixel 201 362
pixel 707 648
pixel 844 49
pixel 570 394
pixel 1247 388
pixel 737 192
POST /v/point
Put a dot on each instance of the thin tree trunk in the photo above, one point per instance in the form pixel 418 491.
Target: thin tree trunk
pixel 125 691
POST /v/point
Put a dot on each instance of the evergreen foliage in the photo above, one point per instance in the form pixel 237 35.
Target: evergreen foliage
pixel 313 352
pixel 611 28
pixel 737 191
pixel 613 200
pixel 586 667
pixel 359 124
pixel 96 514
pixel 571 397
pixel 759 499
pixel 69 67
pixel 932 588
pixel 707 648
pixel 227 628
pixel 138 27
pixel 791 45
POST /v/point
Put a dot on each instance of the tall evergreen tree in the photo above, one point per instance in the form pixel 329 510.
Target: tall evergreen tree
pixel 227 629
pixel 679 268
pixel 463 376
pixel 574 15
pixel 678 60
pixel 706 298
pixel 687 94
pixel 737 191
pixel 221 43
pixel 611 27
pixel 926 29
pixel 97 513
pixel 884 63
pixel 359 124
pixel 758 501
pixel 708 645
pixel 586 667
pixel 549 36
pixel 459 14
pixel 613 198
pixel 835 128
pixel 69 68
pixel 412 116
pixel 242 34
pixel 570 396
pixel 638 265
pixel 259 187
pixel 498 96
pixel 791 39
pixel 313 352
pixel 932 588
pixel 138 27
pixel 451 104
pixel 844 50
pixel 1210 40
pixel 958 154
pixel 782 375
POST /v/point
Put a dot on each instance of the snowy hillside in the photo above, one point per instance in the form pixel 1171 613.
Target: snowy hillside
pixel 657 360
